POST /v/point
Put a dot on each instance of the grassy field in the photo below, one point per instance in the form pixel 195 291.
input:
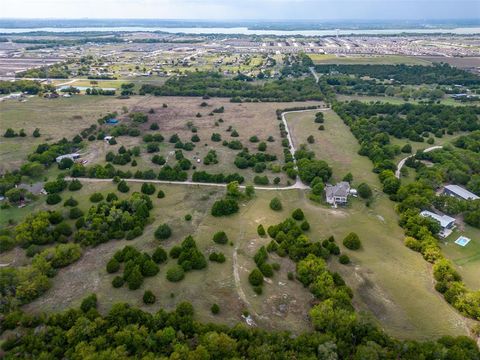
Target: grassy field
pixel 66 117
pixel 381 59
pixel 378 274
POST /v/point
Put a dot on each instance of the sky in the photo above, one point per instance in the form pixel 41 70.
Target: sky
pixel 243 9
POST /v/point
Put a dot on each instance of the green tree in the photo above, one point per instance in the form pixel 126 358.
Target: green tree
pixel 276 204
pixel 163 232
pixel 352 241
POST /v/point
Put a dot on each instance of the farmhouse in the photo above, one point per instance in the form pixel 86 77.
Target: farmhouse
pixel 337 194
pixel 72 157
pixel 447 223
pixel 459 192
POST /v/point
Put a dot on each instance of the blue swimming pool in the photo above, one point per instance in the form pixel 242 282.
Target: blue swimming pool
pixel 462 241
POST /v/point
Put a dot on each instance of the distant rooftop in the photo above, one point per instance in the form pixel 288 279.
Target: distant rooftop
pixel 461 192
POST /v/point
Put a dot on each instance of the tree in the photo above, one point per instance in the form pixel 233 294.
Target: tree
pixel 148 188
pixel 352 241
pixel 159 255
pixel 65 163
pixel 215 309
pixel 163 232
pixel 262 146
pixel 149 297
pixel 9 133
pixel 233 189
pixel 348 178
pixel 96 197
pixel 53 199
pixel 249 191
pixel 255 278
pixel 297 214
pixel 224 207
pixel 15 195
pixel 343 259
pixel 135 278
pixel 310 139
pixel 364 191
pixel 118 282
pixel 113 266
pixel 407 148
pixel 261 230
pixel 175 273
pixel 123 187
pixel 36 133
pixel 220 237
pixel 75 185
pixel 90 302
pixel 276 204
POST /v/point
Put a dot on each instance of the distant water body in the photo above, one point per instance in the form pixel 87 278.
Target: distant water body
pixel 247 31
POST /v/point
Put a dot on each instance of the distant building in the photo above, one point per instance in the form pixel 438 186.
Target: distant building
pixel 337 194
pixel 459 192
pixel 72 157
pixel 446 222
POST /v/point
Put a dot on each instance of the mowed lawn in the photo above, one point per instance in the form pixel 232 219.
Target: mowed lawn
pixel 467 258
pixel 388 279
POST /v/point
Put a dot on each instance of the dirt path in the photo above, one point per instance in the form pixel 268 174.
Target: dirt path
pixel 315 75
pixel 402 162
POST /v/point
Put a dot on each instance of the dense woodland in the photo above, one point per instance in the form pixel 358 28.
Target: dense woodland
pixel 214 84
pixel 442 74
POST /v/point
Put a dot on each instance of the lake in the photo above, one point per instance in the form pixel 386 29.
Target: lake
pixel 247 31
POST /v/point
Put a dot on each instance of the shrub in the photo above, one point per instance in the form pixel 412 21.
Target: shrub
pixel 220 237
pixel 188 217
pixel 254 139
pixel 160 194
pixel 297 214
pixel 407 149
pixel 364 191
pixel 70 202
pixel 123 187
pixel 53 199
pixel 90 302
pixel 262 146
pixel 261 230
pixel 159 255
pixel 175 273
pixel 344 259
pixel 6 243
pixel 111 197
pixel 75 185
pixel 224 207
pixel 75 213
pixel 276 204
pixel 258 290
pixel 148 188
pixel 266 270
pixel 255 278
pixel 217 257
pixel 291 275
pixel 154 126
pixel 135 278
pixel 118 281
pixel 113 266
pixel 352 241
pixel 215 309
pixel 163 232
pixel 96 197
pixel 305 225
pixel 149 297
pixel 310 139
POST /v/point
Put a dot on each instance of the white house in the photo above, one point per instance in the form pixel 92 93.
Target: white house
pixel 337 194
pixel 446 222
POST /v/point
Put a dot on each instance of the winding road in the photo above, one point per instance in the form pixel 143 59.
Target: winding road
pixel 402 162
pixel 298 183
